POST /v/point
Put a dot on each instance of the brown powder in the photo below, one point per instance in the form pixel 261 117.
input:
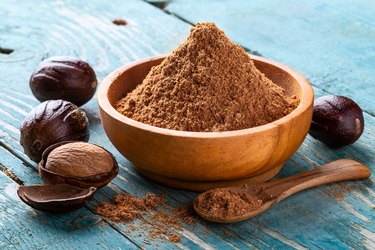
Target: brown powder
pixel 159 225
pixel 229 233
pixel 174 238
pixel 206 84
pixel 185 214
pixel 125 207
pixel 339 191
pixel 335 192
pixel 223 203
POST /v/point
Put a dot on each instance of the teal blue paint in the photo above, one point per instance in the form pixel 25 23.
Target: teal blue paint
pixel 38 29
pixel 24 172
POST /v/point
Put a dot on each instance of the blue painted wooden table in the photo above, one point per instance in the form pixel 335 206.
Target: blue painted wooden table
pixel 331 42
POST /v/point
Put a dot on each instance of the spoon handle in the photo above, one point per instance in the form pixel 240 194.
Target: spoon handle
pixel 340 170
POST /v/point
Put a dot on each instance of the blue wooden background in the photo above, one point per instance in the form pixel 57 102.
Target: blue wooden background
pixel 332 43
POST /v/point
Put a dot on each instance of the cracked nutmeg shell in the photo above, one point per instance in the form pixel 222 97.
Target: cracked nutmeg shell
pixel 51 122
pixel 80 164
pixel 64 78
pixel 55 198
pixel 337 121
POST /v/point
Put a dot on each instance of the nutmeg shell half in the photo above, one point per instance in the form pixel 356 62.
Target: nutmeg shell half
pixel 96 180
pixel 66 78
pixel 55 198
pixel 51 122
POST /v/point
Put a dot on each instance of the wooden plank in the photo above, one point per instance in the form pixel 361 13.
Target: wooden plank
pixel 25 228
pixel 330 42
pixel 151 31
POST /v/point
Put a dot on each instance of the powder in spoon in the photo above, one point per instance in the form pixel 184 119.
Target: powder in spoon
pixel 224 203
pixel 207 84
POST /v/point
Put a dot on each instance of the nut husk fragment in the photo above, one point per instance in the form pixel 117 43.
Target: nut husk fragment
pixel 86 174
pixel 56 197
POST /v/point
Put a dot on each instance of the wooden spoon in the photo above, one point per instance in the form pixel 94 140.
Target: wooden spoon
pixel 270 193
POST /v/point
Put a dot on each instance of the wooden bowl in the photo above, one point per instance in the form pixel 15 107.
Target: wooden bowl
pixel 203 160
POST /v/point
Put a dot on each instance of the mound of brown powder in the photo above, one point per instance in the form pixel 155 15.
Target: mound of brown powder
pixel 206 84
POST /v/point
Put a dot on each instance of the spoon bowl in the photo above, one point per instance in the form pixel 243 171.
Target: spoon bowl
pixel 255 192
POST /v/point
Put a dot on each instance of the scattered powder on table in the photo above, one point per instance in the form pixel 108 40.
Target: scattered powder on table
pixel 207 84
pixel 125 207
pixel 223 203
pixel 229 233
pixel 161 225
pixel 339 191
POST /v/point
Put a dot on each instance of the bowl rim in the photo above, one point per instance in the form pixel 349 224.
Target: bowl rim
pixel 306 101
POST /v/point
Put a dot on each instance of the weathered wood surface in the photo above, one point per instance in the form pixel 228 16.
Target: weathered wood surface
pixel 339 60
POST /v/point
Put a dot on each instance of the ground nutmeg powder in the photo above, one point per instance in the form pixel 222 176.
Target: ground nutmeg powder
pixel 207 84
pixel 154 224
pixel 223 203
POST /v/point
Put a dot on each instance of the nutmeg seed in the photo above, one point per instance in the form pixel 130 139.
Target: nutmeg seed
pixel 51 122
pixel 79 159
pixel 66 78
pixel 77 163
pixel 337 121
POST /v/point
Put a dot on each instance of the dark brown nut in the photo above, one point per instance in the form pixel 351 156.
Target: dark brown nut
pixel 337 121
pixel 78 163
pixel 55 198
pixel 51 122
pixel 64 78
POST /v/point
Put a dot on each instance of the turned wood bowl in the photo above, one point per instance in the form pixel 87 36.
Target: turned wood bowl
pixel 202 160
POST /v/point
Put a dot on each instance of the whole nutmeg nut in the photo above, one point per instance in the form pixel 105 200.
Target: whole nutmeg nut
pixel 51 122
pixel 78 163
pixel 79 159
pixel 337 121
pixel 64 78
